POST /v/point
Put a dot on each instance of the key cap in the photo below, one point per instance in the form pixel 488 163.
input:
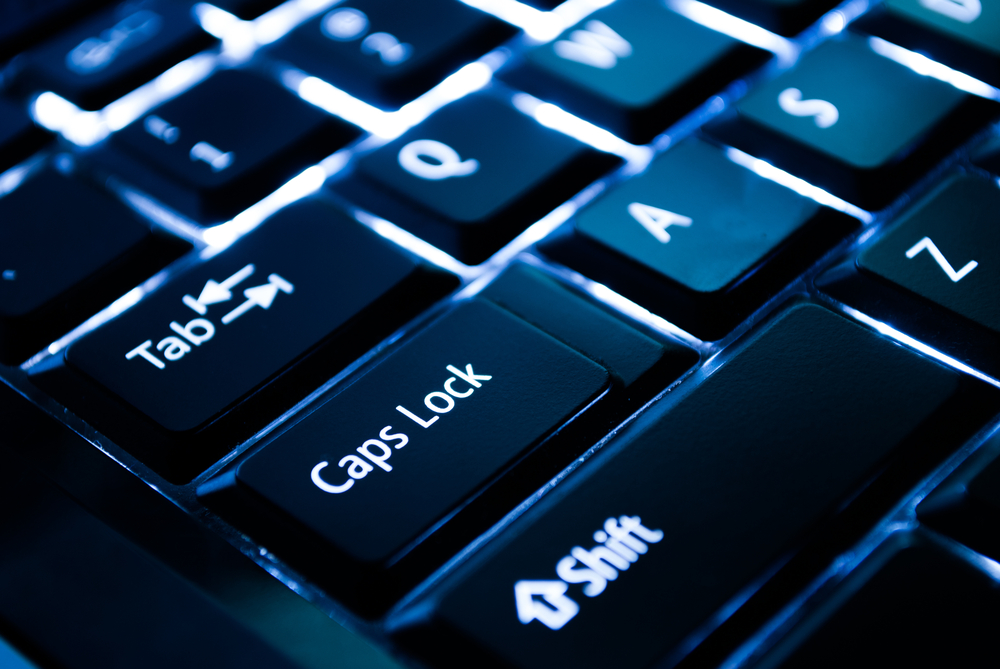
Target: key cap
pixel 964 34
pixel 389 52
pixel 372 471
pixel 67 250
pixel 117 50
pixel 665 527
pixel 934 273
pixel 699 239
pixel 634 68
pixel 987 156
pixel 923 608
pixel 467 190
pixel 228 142
pixel 785 17
pixel 19 137
pixel 852 122
pixel 22 24
pixel 273 316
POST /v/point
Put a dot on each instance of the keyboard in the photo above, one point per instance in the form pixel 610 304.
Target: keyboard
pixel 490 333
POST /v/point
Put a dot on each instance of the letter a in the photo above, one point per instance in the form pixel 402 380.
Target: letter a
pixel 656 221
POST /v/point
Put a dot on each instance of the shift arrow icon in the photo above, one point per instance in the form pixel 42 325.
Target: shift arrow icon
pixel 556 610
pixel 260 296
pixel 215 292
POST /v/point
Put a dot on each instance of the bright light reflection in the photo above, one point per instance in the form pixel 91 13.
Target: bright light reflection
pixel 224 234
pixel 177 79
pixel 925 66
pixel 124 302
pixel 772 173
pixel 216 22
pixel 285 17
pixel 332 99
pixel 468 79
pixel 414 244
pixel 892 332
pixel 558 119
pixel 12 178
pixel 710 17
pixel 536 24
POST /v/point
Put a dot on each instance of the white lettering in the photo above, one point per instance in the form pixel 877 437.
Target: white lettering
pixel 326 487
pixel 358 469
pixel 598 46
pixel 379 460
pixel 444 161
pixel 190 331
pixel 415 418
pixel 469 376
pixel 175 348
pixel 207 153
pixel 965 11
pixel 389 49
pixel 449 403
pixel 400 437
pixel 656 221
pixel 926 244
pixel 555 611
pixel 344 25
pixel 825 113
pixel 143 350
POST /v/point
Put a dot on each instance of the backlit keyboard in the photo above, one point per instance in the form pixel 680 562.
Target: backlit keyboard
pixel 488 333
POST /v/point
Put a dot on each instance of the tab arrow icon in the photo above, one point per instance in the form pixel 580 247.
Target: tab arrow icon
pixel 214 293
pixel 260 296
pixel 557 609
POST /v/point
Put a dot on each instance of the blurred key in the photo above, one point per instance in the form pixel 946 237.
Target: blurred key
pixel 924 608
pixel 179 363
pixel 643 546
pixel 230 141
pixel 935 273
pixel 19 136
pixel 388 52
pixel 473 176
pixel 634 68
pixel 785 17
pixel 853 122
pixel 699 239
pixel 23 24
pixel 66 251
pixel 117 50
pixel 964 34
pixel 373 470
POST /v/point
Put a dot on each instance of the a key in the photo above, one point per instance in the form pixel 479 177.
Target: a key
pixel 19 137
pixel 699 239
pixel 934 273
pixel 634 68
pixel 23 24
pixel 228 142
pixel 372 471
pixel 785 17
pixel 853 122
pixel 388 52
pixel 273 316
pixel 67 249
pixel 473 176
pixel 924 607
pixel 697 500
pixel 117 50
pixel 987 156
pixel 964 34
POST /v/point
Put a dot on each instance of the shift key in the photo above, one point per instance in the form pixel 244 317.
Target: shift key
pixel 370 475
pixel 217 353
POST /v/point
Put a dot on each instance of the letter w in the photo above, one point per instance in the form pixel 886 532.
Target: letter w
pixel 597 46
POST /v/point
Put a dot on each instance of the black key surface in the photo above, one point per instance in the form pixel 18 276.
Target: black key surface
pixel 23 24
pixel 230 141
pixel 19 136
pixel 697 500
pixel 699 239
pixel 853 122
pixel 785 17
pixel 388 52
pixel 964 34
pixel 473 176
pixel 410 442
pixel 924 608
pixel 634 68
pixel 67 250
pixel 247 9
pixel 934 273
pixel 298 290
pixel 101 59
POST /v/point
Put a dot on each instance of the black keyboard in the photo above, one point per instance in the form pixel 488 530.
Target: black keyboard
pixel 496 333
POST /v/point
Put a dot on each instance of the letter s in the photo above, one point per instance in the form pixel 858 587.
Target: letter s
pixel 403 439
pixel 791 102
pixel 323 485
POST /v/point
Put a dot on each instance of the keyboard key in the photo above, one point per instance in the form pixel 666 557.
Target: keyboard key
pixel 852 122
pixel 934 273
pixel 656 534
pixel 19 136
pixel 634 68
pixel 987 156
pixel 276 314
pixel 699 239
pixel 924 608
pixel 101 59
pixel 22 24
pixel 473 176
pixel 230 141
pixel 964 35
pixel 785 17
pixel 66 251
pixel 388 52
pixel 408 445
